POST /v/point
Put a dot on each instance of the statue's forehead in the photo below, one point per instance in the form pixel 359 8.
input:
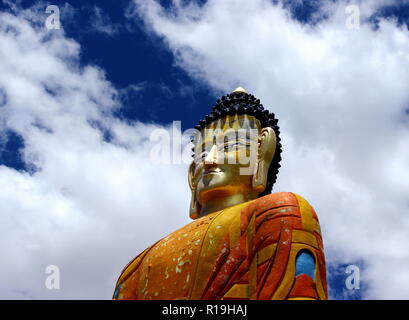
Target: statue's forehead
pixel 229 123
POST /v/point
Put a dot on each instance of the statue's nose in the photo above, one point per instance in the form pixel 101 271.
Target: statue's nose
pixel 211 156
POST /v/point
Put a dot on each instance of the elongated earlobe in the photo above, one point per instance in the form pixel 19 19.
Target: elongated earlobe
pixel 266 149
pixel 194 208
pixel 258 182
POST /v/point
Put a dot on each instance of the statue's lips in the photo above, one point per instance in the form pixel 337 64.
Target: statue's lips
pixel 212 171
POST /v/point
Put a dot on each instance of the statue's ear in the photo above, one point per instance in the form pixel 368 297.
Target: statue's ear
pixel 267 142
pixel 194 209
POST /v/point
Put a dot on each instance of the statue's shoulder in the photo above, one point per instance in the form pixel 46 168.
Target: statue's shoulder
pixel 133 265
pixel 284 202
pixel 278 199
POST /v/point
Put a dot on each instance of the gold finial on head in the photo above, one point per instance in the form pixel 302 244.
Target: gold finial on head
pixel 240 89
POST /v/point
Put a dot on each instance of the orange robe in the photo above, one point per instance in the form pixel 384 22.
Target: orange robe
pixel 247 251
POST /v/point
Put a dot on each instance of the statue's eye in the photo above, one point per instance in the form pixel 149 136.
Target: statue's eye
pixel 235 146
pixel 230 147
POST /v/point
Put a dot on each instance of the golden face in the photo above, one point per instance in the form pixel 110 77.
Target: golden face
pixel 224 158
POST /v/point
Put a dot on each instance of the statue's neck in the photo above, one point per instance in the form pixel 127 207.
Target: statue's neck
pixel 220 203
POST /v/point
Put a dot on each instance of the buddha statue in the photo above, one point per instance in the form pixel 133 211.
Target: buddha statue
pixel 244 242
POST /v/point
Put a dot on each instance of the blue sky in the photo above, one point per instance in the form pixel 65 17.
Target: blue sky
pixel 160 74
pixel 134 56
pixel 130 56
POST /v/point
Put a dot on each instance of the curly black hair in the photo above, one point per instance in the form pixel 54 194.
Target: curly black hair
pixel 239 102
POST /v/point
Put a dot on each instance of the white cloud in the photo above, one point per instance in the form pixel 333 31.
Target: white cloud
pixel 92 205
pixel 340 96
pixel 101 22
